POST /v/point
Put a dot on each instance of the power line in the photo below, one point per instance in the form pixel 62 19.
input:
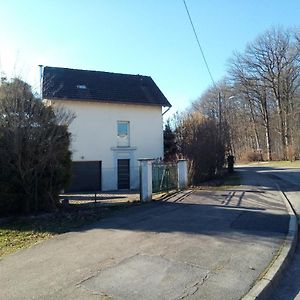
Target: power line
pixel 202 53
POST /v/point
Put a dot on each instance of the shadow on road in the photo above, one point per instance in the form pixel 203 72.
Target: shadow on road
pixel 212 220
pixel 249 214
pixel 289 287
pixel 191 218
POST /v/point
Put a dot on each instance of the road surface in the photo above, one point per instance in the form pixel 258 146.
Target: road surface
pixel 288 180
pixel 202 245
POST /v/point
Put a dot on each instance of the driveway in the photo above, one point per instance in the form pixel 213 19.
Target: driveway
pixel 200 245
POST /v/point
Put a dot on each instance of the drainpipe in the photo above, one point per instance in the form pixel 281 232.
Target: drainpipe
pixel 166 110
pixel 41 80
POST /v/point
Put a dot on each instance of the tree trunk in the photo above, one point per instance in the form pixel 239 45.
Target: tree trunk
pixel 283 128
pixel 268 143
pixel 254 126
pixel 266 118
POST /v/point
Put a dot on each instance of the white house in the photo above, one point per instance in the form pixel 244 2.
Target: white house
pixel 118 121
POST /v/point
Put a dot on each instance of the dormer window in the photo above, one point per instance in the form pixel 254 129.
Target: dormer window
pixel 81 86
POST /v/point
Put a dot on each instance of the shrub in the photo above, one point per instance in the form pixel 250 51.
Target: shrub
pixel 253 156
pixel 35 159
pixel 199 141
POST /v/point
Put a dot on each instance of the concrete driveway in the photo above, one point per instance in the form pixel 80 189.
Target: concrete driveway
pixel 202 245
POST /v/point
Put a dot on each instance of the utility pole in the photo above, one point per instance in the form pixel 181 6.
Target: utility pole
pixel 220 113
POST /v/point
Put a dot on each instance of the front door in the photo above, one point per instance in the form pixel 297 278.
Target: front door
pixel 123 174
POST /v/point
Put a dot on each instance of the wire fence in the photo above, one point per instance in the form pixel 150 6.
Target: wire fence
pixel 102 187
pixel 164 177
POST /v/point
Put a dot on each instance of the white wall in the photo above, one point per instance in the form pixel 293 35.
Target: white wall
pixel 94 136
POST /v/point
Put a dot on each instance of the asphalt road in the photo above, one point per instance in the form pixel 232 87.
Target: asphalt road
pixel 289 182
pixel 288 179
pixel 203 245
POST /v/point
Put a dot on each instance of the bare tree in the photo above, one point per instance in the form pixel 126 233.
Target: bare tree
pixel 198 140
pixel 272 61
pixel 256 94
pixel 258 112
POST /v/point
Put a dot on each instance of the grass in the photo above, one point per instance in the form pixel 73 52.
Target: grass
pixel 22 232
pixel 283 164
pixel 231 180
pixel 12 240
pixel 225 182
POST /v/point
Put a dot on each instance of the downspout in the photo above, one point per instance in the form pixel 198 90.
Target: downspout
pixel 166 110
pixel 41 81
pixel 162 120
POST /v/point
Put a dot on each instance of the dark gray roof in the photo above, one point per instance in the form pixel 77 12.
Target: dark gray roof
pixel 73 84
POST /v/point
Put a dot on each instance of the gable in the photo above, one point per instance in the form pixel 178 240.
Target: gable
pixel 83 85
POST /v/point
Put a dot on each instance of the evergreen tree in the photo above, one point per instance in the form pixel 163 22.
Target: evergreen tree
pixel 170 146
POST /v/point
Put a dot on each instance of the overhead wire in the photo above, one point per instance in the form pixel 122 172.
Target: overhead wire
pixel 198 42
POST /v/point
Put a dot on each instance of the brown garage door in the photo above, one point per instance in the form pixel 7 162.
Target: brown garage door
pixel 86 176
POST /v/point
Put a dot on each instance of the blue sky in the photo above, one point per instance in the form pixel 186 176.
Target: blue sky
pixel 149 37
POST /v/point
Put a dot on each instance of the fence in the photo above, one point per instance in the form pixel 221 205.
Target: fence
pixel 156 177
pixel 164 177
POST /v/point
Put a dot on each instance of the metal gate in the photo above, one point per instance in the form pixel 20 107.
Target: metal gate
pixel 164 177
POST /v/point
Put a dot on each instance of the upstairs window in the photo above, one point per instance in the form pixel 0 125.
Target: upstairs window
pixel 123 134
pixel 81 86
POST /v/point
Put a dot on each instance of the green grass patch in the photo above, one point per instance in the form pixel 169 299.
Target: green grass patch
pixel 22 232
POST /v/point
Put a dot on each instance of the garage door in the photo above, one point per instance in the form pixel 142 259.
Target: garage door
pixel 86 176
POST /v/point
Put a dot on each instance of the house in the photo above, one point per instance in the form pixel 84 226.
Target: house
pixel 118 121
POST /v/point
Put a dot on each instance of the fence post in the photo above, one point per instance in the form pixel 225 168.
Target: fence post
pixel 182 173
pixel 145 180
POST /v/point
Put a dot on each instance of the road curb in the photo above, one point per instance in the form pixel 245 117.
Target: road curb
pixel 264 287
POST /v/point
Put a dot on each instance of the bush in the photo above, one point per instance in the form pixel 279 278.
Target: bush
pixel 170 146
pixel 35 159
pixel 254 156
pixel 199 141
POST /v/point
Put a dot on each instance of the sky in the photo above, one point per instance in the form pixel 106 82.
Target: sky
pixel 147 37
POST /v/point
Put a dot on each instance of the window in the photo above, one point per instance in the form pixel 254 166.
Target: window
pixel 81 86
pixel 123 134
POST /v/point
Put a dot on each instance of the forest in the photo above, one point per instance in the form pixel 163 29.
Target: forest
pixel 252 113
pixel 258 103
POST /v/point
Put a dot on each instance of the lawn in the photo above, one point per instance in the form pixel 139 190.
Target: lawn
pixel 22 232
pixel 12 238
pixel 283 164
pixel 225 182
pixel 231 180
